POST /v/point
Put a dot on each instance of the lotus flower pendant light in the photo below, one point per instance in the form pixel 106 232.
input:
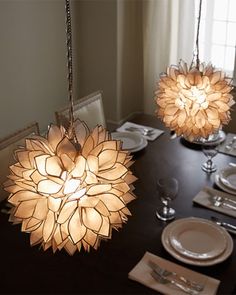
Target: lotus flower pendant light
pixel 194 101
pixel 70 189
pixel 65 197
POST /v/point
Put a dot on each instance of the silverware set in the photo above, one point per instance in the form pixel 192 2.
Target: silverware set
pixel 231 145
pixel 223 202
pixel 142 130
pixel 164 276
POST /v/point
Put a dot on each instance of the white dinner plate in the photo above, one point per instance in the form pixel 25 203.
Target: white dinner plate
pixel 197 239
pixel 132 141
pixel 222 186
pixel 165 238
pixel 142 146
pixel 228 177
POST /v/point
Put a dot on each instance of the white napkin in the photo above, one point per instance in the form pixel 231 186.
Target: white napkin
pixel 202 198
pixel 222 147
pixel 142 274
pixel 156 132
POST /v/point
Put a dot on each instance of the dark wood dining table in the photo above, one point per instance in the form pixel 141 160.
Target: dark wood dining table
pixel 30 270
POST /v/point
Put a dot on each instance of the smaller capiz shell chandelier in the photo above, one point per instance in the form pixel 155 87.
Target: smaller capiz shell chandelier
pixel 194 101
pixel 65 197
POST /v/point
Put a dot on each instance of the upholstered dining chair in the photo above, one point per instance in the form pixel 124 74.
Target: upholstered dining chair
pixel 7 146
pixel 88 109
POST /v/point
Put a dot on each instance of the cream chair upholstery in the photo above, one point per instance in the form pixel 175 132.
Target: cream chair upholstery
pixel 7 147
pixel 88 109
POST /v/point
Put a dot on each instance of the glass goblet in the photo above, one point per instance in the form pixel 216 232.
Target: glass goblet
pixel 167 189
pixel 210 152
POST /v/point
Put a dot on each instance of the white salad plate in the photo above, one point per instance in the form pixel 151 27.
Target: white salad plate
pixel 195 238
pixel 220 184
pixel 132 141
pixel 228 177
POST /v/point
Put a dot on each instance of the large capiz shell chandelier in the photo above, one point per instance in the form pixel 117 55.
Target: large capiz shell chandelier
pixel 69 197
pixel 194 101
pixel 70 188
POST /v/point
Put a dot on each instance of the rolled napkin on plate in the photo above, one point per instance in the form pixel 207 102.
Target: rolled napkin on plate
pixel 176 279
pixel 147 132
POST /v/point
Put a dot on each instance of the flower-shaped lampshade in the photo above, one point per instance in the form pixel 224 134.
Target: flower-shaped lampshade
pixel 194 102
pixel 70 196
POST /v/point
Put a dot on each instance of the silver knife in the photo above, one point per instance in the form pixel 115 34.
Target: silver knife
pixel 229 227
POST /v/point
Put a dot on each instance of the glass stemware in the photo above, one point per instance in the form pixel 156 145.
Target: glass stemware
pixel 210 152
pixel 167 189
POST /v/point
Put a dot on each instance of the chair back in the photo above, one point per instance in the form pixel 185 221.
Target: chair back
pixel 7 147
pixel 88 109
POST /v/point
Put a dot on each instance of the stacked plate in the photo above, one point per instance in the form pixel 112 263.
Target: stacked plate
pixel 132 142
pixel 214 139
pixel 197 241
pixel 226 180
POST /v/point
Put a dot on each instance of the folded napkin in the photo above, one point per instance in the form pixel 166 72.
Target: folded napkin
pixel 222 148
pixel 153 136
pixel 202 198
pixel 142 274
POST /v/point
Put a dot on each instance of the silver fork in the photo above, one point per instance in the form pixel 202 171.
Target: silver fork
pixel 163 272
pixel 163 280
pixel 144 131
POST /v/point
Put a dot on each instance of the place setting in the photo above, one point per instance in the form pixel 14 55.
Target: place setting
pixel 135 137
pixel 223 199
pixel 147 132
pixel 170 278
pixel 180 238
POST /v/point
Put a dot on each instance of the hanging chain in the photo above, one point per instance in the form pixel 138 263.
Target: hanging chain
pixel 197 36
pixel 69 63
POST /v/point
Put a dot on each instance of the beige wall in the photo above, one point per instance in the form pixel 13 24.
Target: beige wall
pixel 96 30
pixel 130 57
pixel 32 62
pixel 107 54
pixel 110 53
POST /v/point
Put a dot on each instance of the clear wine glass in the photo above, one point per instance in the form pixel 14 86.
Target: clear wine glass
pixel 167 189
pixel 210 152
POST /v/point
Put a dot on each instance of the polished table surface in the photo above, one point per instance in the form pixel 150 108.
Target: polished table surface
pixel 30 270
